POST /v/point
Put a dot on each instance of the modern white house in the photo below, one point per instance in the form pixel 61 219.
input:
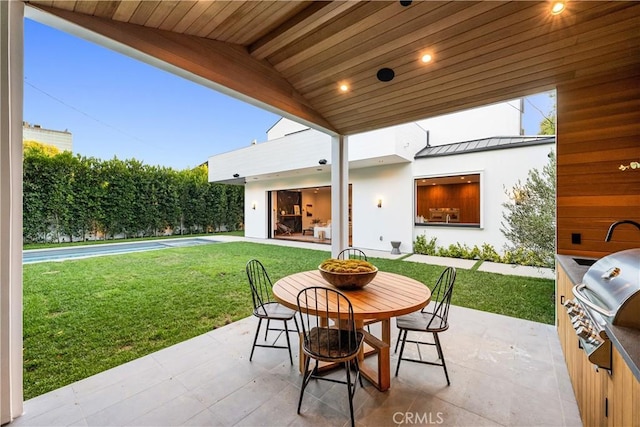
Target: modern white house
pixel 444 177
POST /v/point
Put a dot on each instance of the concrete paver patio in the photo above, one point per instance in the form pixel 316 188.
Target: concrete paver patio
pixel 503 370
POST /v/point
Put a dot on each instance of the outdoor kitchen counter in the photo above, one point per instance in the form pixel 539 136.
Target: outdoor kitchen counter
pixel 625 340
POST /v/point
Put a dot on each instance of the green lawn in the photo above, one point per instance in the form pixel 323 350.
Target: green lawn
pixel 84 316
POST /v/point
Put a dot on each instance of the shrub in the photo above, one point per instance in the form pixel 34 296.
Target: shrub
pixel 488 253
pixel 421 246
pixel 529 217
pixel 522 256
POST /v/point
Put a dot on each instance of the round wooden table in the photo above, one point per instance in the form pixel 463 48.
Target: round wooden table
pixel 388 295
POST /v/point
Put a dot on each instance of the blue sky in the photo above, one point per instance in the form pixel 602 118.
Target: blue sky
pixel 117 106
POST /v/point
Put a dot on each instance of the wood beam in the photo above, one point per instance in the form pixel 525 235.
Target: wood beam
pixel 230 67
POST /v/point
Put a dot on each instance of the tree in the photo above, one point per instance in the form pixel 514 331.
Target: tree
pixel 530 215
pixel 78 197
pixel 33 147
pixel 548 123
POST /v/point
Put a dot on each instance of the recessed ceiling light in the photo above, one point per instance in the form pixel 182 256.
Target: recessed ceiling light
pixel 426 58
pixel 558 7
pixel 344 87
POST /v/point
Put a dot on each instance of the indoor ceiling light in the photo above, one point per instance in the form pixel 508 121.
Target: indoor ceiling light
pixel 426 58
pixel 344 87
pixel 558 7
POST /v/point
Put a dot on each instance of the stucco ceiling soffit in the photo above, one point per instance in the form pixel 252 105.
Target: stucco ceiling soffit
pixel 229 67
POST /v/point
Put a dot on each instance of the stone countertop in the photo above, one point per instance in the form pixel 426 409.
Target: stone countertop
pixel 625 340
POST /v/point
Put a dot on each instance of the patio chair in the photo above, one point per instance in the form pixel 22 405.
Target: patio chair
pixel 322 341
pixel 283 229
pixel 352 253
pixel 265 308
pixel 431 319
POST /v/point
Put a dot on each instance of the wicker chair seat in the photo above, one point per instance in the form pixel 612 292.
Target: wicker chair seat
pixel 332 344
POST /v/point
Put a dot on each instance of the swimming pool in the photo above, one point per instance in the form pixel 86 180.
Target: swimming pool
pixel 61 254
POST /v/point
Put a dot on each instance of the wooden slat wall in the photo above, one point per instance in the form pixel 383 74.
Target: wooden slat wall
pixel 465 197
pixel 598 130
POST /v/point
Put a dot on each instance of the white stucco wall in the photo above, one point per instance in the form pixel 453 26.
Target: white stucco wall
pixel 383 167
pixel 500 170
pixel 284 127
pixel 373 227
pixel 403 140
pixel 391 183
pixel 502 119
pixel 294 152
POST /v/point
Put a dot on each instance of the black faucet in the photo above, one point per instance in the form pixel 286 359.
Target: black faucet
pixel 617 223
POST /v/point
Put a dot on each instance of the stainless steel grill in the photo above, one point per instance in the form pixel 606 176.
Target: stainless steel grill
pixel 609 294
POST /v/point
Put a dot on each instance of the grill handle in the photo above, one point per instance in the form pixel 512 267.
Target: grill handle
pixel 577 292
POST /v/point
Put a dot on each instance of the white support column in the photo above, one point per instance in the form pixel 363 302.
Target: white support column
pixel 339 194
pixel 11 81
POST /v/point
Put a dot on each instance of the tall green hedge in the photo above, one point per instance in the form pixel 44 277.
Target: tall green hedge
pixel 69 197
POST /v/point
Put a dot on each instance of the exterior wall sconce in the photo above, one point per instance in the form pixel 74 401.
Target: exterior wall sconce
pixel 379 203
pixel 253 206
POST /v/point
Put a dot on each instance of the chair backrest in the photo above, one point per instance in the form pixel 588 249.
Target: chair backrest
pixel 441 296
pixel 260 284
pixel 352 253
pixel 335 339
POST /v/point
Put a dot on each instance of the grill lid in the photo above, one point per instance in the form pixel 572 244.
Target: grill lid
pixel 613 284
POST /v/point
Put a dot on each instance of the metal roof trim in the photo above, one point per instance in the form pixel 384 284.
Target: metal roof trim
pixel 484 144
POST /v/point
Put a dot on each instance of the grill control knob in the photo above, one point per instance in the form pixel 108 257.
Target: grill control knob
pixel 580 323
pixel 575 311
pixel 585 333
pixel 594 340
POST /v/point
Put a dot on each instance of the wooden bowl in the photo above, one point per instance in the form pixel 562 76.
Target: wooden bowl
pixel 348 280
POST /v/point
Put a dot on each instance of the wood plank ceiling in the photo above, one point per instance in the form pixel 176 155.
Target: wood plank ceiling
pixel 293 55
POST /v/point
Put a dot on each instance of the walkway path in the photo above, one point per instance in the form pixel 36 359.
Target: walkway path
pixel 466 264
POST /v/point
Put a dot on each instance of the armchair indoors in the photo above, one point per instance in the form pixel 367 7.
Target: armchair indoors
pixel 283 229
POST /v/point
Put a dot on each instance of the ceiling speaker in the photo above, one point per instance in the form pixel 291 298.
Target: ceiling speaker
pixel 386 74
